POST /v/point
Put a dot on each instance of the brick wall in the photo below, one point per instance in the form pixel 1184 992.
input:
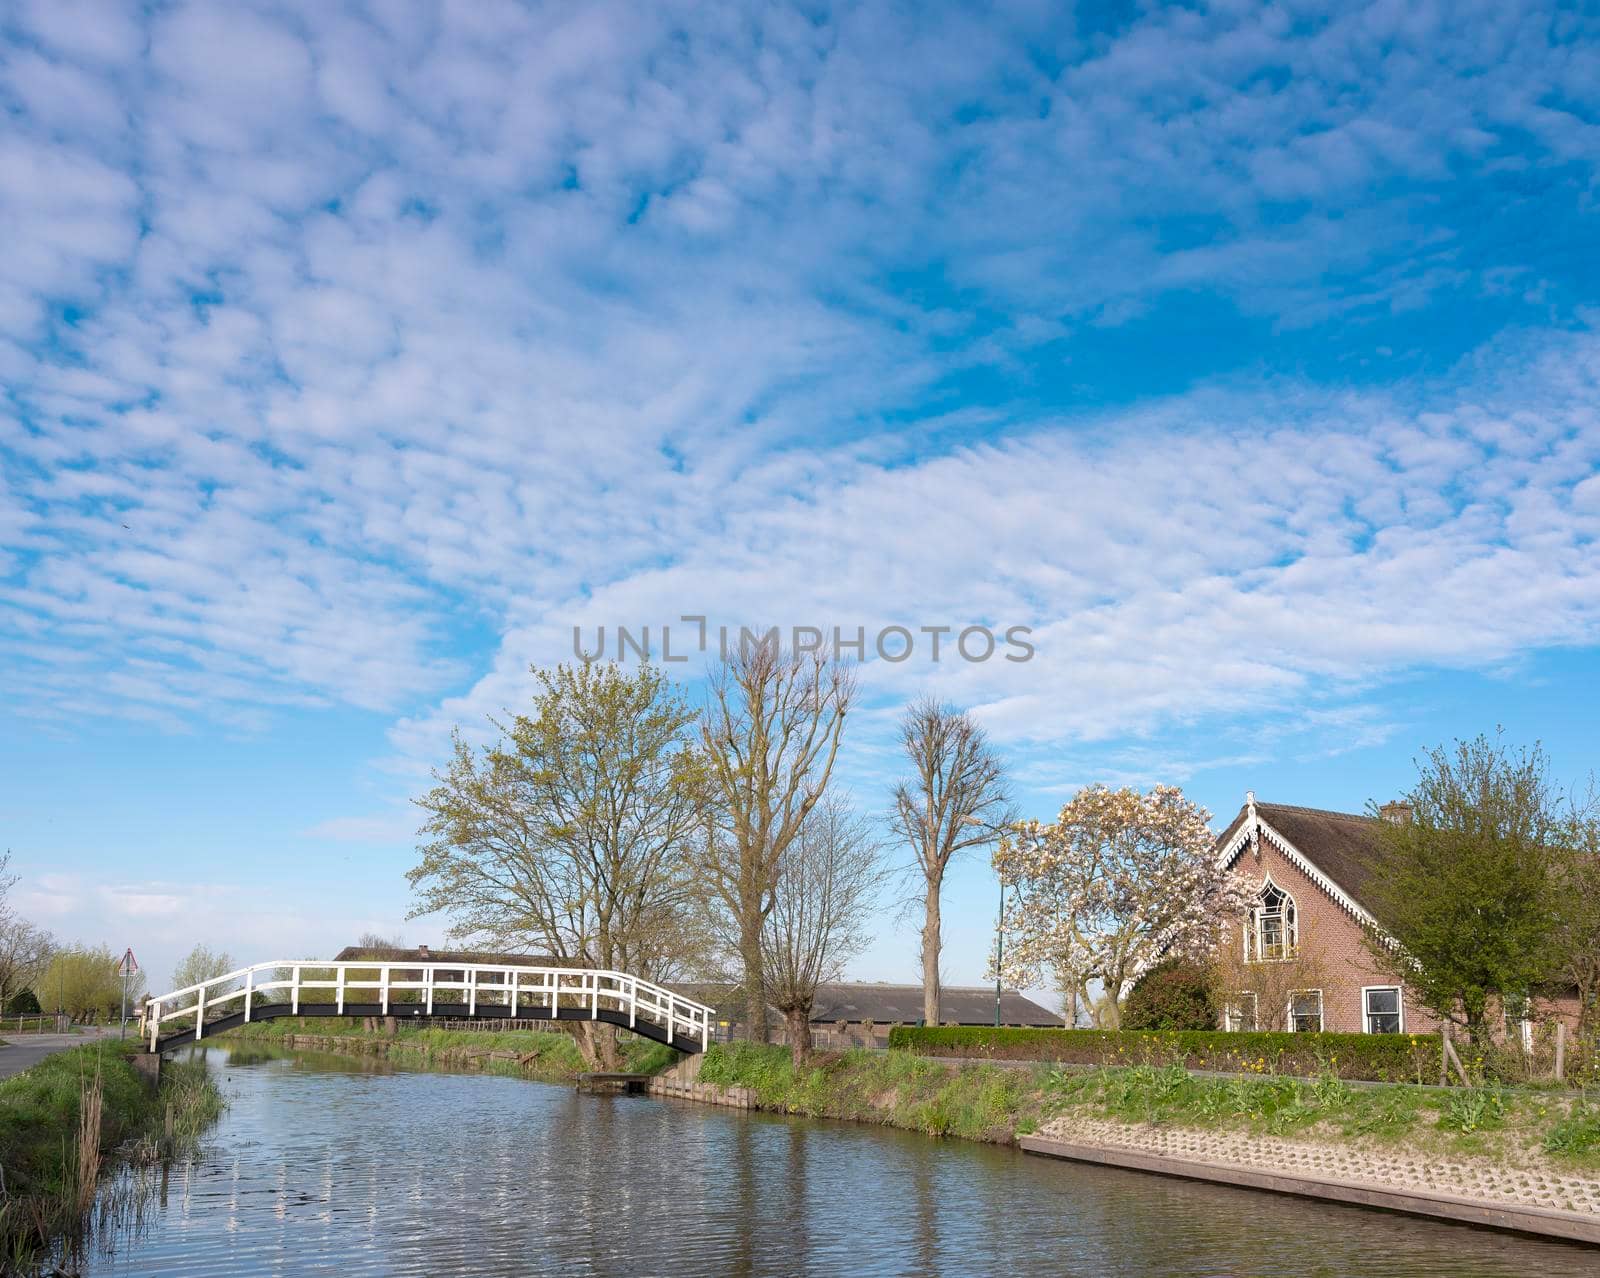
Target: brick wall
pixel 1331 938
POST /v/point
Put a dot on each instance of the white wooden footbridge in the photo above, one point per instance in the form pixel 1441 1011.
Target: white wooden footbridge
pixel 458 991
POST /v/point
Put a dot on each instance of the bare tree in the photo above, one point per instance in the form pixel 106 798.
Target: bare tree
pixel 572 834
pixel 956 799
pixel 771 733
pixel 827 884
pixel 25 950
pixel 1256 994
pixel 25 953
pixel 200 965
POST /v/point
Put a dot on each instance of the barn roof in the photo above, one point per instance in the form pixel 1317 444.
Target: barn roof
pixel 886 1004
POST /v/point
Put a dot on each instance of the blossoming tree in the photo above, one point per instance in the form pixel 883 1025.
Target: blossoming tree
pixel 1119 881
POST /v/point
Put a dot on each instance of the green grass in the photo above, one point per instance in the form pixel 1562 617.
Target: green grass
pixel 39 1113
pixel 557 1054
pixel 993 1103
pixel 39 1122
pixel 1576 1136
pixel 977 1102
pixel 1488 1121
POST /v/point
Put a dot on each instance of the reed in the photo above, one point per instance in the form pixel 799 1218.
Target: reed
pixel 91 1104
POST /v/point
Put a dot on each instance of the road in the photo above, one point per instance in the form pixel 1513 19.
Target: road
pixel 25 1050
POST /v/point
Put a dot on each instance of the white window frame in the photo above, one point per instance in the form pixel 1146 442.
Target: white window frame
pixel 1366 1013
pixel 1232 1018
pixel 1254 949
pixel 1322 1012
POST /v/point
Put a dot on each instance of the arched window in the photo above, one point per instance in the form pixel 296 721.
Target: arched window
pixel 1273 930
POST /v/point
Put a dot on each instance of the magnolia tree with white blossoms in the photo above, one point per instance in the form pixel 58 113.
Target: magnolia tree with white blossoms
pixel 1118 882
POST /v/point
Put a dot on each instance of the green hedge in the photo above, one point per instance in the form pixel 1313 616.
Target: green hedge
pixel 1378 1057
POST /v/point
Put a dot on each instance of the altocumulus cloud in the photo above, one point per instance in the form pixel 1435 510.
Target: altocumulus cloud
pixel 331 331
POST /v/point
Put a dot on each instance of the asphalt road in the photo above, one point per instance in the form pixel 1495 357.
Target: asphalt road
pixel 25 1050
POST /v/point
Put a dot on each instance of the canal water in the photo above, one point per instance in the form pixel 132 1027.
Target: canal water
pixel 323 1165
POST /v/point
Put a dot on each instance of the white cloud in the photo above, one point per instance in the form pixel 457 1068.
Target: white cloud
pixel 388 328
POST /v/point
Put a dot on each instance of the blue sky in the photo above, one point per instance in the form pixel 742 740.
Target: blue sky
pixel 353 354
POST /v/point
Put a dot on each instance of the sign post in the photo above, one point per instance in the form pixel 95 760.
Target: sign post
pixel 129 966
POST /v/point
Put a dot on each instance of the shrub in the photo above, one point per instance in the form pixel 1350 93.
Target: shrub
pixel 22 1003
pixel 1473 1109
pixel 1577 1134
pixel 1377 1057
pixel 1175 995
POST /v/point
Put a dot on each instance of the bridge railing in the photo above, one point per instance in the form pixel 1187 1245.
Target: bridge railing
pixel 418 985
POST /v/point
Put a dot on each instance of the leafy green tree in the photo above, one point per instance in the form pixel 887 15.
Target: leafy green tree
pixel 1174 995
pixel 22 1003
pixel 85 982
pixel 1463 888
pixel 1576 935
pixel 569 836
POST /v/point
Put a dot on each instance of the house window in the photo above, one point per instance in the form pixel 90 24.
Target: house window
pixel 1240 1015
pixel 1305 1011
pixel 1274 929
pixel 1381 1009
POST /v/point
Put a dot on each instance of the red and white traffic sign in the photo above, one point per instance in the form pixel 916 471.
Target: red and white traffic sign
pixel 129 963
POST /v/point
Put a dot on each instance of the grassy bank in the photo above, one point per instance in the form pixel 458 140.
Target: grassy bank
pixel 63 1122
pixel 550 1056
pixel 997 1103
pixel 897 1089
pixel 1503 1124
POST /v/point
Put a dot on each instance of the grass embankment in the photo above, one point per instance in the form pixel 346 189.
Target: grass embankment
pixel 551 1056
pixel 64 1121
pixel 1506 1124
pixel 997 1103
pixel 897 1089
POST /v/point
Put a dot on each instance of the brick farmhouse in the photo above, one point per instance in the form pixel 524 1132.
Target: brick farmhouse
pixel 1304 963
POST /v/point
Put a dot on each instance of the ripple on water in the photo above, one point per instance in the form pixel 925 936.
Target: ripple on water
pixel 322 1167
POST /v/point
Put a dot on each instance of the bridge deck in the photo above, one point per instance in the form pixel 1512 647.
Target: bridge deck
pixel 441 1012
pixel 443 991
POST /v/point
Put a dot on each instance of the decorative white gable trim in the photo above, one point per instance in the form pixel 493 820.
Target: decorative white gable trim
pixel 1255 826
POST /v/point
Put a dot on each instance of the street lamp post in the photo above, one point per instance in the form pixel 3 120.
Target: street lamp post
pixel 999 929
pixel 999 950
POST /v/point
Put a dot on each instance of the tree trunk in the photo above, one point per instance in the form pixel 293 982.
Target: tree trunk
pixel 597 1041
pixel 797 1023
pixel 930 956
pixel 1476 1014
pixel 757 1028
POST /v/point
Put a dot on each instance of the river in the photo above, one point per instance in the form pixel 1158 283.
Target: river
pixel 323 1165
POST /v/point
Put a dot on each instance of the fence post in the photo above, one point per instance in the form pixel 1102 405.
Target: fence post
pixel 1444 1054
pixel 1461 1070
pixel 1561 1051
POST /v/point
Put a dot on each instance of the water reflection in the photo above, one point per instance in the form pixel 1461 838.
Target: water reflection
pixel 328 1165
